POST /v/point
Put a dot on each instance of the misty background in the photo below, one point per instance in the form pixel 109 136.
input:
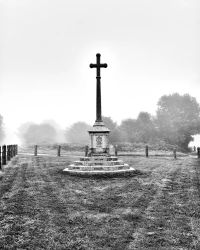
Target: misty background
pixel 151 48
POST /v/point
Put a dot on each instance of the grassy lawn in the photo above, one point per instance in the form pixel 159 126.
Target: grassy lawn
pixel 43 208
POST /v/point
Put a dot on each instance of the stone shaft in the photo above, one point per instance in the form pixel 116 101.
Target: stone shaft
pixel 98 101
pixel 98 66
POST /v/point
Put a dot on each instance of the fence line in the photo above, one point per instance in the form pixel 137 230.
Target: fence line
pixel 60 151
pixel 147 151
pixel 7 152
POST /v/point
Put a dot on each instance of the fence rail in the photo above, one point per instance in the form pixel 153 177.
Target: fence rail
pixel 58 150
pixel 7 152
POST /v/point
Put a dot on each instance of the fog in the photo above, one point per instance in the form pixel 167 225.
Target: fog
pixel 151 48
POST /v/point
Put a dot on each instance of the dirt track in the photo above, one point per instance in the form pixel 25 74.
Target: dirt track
pixel 41 208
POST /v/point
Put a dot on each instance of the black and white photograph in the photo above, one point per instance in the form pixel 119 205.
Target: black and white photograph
pixel 99 124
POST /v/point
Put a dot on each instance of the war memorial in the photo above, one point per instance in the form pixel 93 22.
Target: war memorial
pixel 98 160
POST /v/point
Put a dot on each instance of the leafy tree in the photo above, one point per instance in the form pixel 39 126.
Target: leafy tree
pixel 37 133
pixel 2 134
pixel 128 130
pixel 78 133
pixel 141 129
pixel 178 118
pixel 22 131
pixel 109 123
pixel 114 132
pixel 145 127
pixel 60 133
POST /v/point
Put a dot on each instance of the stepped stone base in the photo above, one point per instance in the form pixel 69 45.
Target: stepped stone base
pixel 99 165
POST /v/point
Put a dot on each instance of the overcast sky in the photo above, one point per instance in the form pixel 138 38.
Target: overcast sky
pixel 152 47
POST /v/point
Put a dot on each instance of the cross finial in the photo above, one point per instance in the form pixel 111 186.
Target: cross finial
pixel 98 65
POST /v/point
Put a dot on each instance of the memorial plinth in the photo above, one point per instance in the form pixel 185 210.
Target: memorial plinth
pixel 99 142
pixel 99 161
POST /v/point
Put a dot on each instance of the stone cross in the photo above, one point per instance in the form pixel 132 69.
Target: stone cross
pixel 98 66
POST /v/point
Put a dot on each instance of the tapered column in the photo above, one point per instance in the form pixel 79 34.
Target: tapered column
pixel 98 67
pixel 98 100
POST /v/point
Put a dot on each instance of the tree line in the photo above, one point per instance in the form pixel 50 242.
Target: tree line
pixel 177 119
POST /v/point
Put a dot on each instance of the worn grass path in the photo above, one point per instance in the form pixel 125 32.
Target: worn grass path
pixel 42 208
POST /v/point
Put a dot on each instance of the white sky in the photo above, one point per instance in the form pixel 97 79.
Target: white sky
pixel 151 48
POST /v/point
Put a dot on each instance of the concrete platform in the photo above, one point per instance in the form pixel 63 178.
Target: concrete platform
pixel 99 165
pixel 118 172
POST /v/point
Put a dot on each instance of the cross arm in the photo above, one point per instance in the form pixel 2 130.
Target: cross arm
pixel 93 65
pixel 103 65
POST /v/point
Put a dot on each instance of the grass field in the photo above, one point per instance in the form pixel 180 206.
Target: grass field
pixel 42 208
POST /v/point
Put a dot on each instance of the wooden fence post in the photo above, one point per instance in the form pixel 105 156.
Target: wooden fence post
pixel 8 152
pixel 147 151
pixel 0 158
pixel 59 149
pixel 16 149
pixel 116 150
pixel 174 153
pixel 11 151
pixel 198 152
pixel 35 150
pixel 4 155
pixel 86 150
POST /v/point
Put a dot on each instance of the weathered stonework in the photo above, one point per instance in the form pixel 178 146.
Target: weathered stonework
pixel 99 161
pixel 99 142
